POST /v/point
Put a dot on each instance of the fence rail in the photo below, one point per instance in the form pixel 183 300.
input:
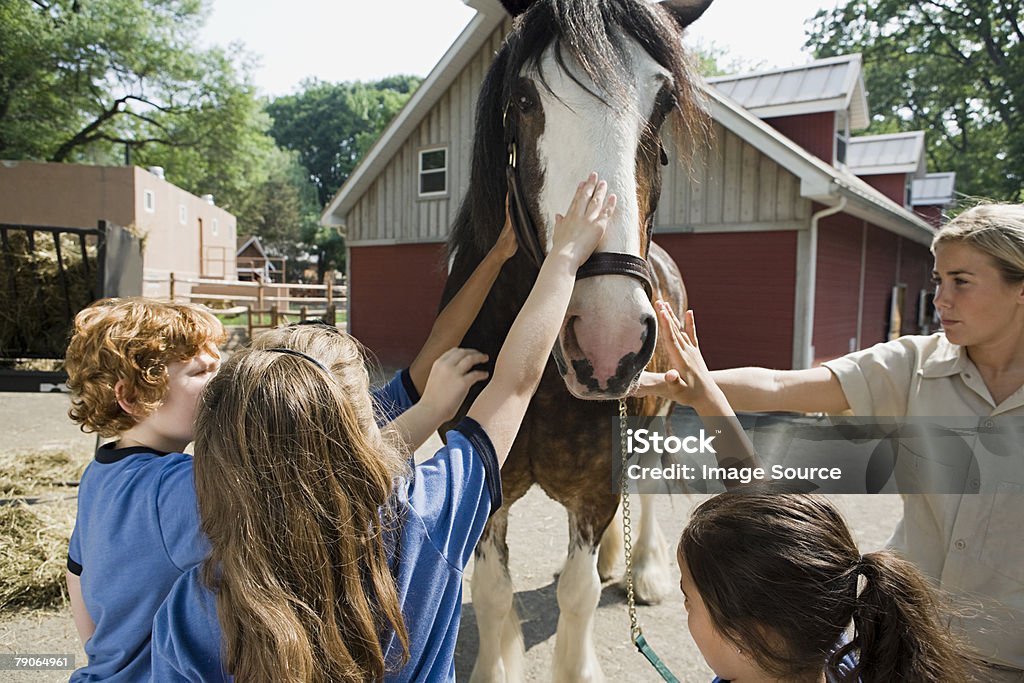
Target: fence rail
pixel 260 302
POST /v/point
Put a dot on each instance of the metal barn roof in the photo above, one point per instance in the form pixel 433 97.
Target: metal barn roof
pixel 833 84
pixel 935 189
pixel 893 153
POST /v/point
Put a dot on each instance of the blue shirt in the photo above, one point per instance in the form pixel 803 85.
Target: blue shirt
pixel 137 532
pixel 395 397
pixel 446 505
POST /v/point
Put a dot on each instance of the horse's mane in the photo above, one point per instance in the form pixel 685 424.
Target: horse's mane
pixel 591 33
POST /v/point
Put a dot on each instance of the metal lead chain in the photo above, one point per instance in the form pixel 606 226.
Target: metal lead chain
pixel 627 526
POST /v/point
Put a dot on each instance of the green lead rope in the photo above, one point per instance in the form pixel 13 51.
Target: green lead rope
pixel 651 656
pixel 636 635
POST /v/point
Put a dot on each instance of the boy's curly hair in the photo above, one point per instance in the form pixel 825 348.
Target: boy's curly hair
pixel 131 340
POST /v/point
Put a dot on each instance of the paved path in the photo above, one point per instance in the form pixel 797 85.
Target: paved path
pixel 537 541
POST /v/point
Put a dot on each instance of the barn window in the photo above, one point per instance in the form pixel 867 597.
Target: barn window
pixel 433 172
pixel 182 214
pixel 215 226
pixel 149 201
pixel 841 143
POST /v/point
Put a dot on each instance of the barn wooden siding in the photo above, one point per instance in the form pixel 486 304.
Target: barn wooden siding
pixel 741 287
pixel 892 185
pixel 731 185
pixel 852 303
pixel 814 132
pixel 391 210
pixel 395 293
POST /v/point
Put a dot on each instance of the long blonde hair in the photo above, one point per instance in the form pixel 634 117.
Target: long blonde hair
pixel 295 487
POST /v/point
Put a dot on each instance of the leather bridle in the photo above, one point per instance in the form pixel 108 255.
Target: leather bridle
pixel 599 263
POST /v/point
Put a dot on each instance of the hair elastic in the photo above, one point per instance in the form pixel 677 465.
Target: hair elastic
pixel 300 354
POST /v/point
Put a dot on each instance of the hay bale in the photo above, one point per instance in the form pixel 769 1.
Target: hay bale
pixel 40 472
pixel 35 314
pixel 33 556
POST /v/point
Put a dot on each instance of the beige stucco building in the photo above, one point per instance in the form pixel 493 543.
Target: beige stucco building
pixel 182 233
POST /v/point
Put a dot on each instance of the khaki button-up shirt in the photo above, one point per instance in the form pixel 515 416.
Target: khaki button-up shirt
pixel 970 544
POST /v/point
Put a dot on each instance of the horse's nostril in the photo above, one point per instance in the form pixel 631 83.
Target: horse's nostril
pixel 650 324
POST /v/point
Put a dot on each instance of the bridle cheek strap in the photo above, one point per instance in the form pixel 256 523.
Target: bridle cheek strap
pixel 526 236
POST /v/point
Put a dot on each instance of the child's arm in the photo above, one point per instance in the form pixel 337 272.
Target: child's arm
pixel 500 407
pixel 450 379
pixel 690 382
pixel 83 622
pixel 453 322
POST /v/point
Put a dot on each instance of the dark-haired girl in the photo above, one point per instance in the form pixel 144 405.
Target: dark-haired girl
pixel 773 580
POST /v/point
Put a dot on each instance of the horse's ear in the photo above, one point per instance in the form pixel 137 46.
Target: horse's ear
pixel 685 12
pixel 516 7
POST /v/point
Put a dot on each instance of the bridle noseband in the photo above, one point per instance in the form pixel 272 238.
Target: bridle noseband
pixel 599 263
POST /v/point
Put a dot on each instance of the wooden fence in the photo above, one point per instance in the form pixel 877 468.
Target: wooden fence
pixel 263 304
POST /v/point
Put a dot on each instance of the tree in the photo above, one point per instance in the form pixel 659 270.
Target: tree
pixel 283 212
pixel 332 126
pixel 101 81
pixel 954 68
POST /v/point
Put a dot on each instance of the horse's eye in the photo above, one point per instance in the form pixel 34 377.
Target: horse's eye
pixel 524 95
pixel 665 102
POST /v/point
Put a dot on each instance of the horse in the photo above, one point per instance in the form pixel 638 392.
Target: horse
pixel 577 86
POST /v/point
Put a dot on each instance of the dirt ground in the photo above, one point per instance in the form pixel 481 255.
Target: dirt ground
pixel 537 542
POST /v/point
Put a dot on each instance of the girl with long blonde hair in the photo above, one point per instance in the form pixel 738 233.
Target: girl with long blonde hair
pixel 333 558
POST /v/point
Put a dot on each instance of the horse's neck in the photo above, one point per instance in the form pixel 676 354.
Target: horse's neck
pixel 502 305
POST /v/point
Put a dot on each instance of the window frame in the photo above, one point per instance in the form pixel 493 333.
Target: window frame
pixel 420 173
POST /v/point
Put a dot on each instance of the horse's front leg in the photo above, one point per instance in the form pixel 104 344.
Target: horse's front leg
pixel 500 657
pixel 579 590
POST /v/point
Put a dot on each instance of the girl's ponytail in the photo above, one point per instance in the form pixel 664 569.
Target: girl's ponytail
pixel 898 629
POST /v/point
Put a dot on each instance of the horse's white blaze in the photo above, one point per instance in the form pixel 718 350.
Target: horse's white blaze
pixel 500 656
pixel 579 590
pixel 581 135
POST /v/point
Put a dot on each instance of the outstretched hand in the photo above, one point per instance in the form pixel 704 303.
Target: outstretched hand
pixel 578 232
pixel 451 378
pixel 689 381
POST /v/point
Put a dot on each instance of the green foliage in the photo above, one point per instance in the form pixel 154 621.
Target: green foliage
pixel 283 211
pixel 714 60
pixel 954 68
pixel 98 81
pixel 332 126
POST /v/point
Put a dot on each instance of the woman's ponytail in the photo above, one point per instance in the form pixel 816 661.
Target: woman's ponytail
pixel 898 629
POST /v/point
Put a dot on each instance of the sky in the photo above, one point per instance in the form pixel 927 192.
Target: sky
pixel 348 40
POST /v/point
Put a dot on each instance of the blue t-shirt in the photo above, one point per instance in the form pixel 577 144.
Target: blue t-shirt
pixel 137 531
pixel 395 397
pixel 445 506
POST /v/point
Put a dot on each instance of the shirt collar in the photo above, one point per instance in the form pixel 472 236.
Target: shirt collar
pixel 946 360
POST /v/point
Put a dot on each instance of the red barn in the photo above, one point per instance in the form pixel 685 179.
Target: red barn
pixel 789 257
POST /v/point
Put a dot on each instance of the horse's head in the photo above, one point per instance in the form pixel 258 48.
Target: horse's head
pixel 588 85
pixel 581 86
